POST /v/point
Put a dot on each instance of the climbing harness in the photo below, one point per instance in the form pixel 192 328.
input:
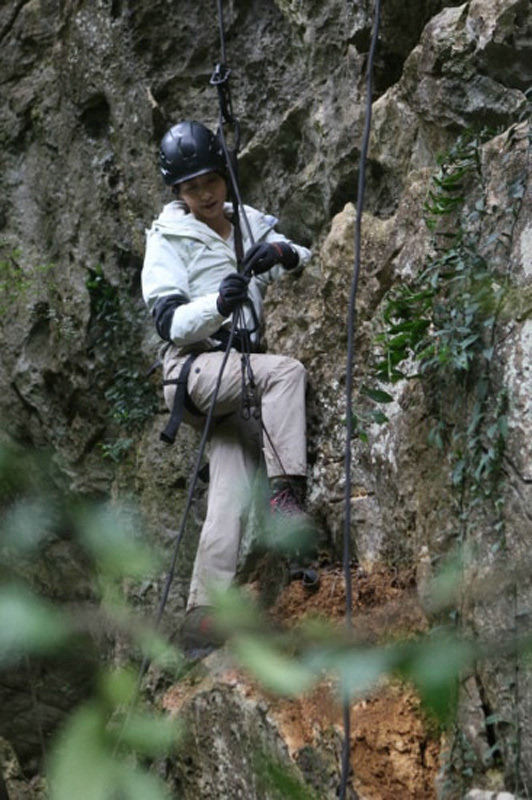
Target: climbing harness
pixel 181 401
pixel 241 341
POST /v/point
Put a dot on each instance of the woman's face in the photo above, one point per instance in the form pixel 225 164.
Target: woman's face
pixel 205 196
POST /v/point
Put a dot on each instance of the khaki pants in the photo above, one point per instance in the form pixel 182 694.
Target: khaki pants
pixel 235 449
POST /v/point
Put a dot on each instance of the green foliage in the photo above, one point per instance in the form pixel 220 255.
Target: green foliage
pixel 98 753
pixel 30 625
pixel 441 327
pixel 107 744
pixel 111 538
pixel 363 418
pixel 275 670
pixel 116 330
pixel 439 322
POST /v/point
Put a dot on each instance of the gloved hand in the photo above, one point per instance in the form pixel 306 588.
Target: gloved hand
pixel 262 256
pixel 233 290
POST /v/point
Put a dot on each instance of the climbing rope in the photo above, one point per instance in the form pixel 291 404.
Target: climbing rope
pixel 351 330
pixel 220 79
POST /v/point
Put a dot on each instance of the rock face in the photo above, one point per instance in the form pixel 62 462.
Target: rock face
pixel 89 88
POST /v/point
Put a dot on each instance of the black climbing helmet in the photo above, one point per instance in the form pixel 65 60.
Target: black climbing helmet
pixel 187 150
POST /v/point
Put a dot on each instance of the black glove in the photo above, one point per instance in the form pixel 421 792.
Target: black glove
pixel 262 256
pixel 233 290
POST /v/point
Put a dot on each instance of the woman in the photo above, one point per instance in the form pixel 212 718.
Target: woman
pixel 192 287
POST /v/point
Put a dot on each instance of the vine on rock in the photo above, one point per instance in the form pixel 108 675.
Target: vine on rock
pixel 443 327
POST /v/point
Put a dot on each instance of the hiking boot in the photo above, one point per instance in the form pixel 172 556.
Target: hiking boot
pixel 199 635
pixel 287 496
pixel 284 501
pixel 295 531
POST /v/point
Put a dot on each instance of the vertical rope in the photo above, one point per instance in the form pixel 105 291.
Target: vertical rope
pixel 351 330
pixel 208 422
pixel 221 28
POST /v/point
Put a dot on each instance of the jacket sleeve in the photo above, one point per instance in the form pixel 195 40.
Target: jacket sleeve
pixel 165 288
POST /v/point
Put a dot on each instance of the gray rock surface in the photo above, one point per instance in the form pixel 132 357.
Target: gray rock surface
pixel 88 89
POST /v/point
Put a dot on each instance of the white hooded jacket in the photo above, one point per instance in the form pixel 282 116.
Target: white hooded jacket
pixel 185 257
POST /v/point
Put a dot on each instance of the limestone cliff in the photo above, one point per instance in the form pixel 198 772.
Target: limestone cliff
pixel 89 88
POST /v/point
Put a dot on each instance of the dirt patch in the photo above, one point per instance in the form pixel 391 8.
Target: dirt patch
pixel 394 754
pixel 385 603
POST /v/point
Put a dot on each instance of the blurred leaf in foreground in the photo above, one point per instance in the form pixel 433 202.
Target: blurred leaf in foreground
pixel 111 537
pixel 29 625
pixel 96 756
pixel 82 764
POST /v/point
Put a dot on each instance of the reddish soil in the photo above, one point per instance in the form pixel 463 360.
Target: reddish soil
pixel 394 754
pixel 384 602
pixel 393 757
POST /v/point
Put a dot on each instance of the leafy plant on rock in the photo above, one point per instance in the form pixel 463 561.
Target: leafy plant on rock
pixel 441 327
